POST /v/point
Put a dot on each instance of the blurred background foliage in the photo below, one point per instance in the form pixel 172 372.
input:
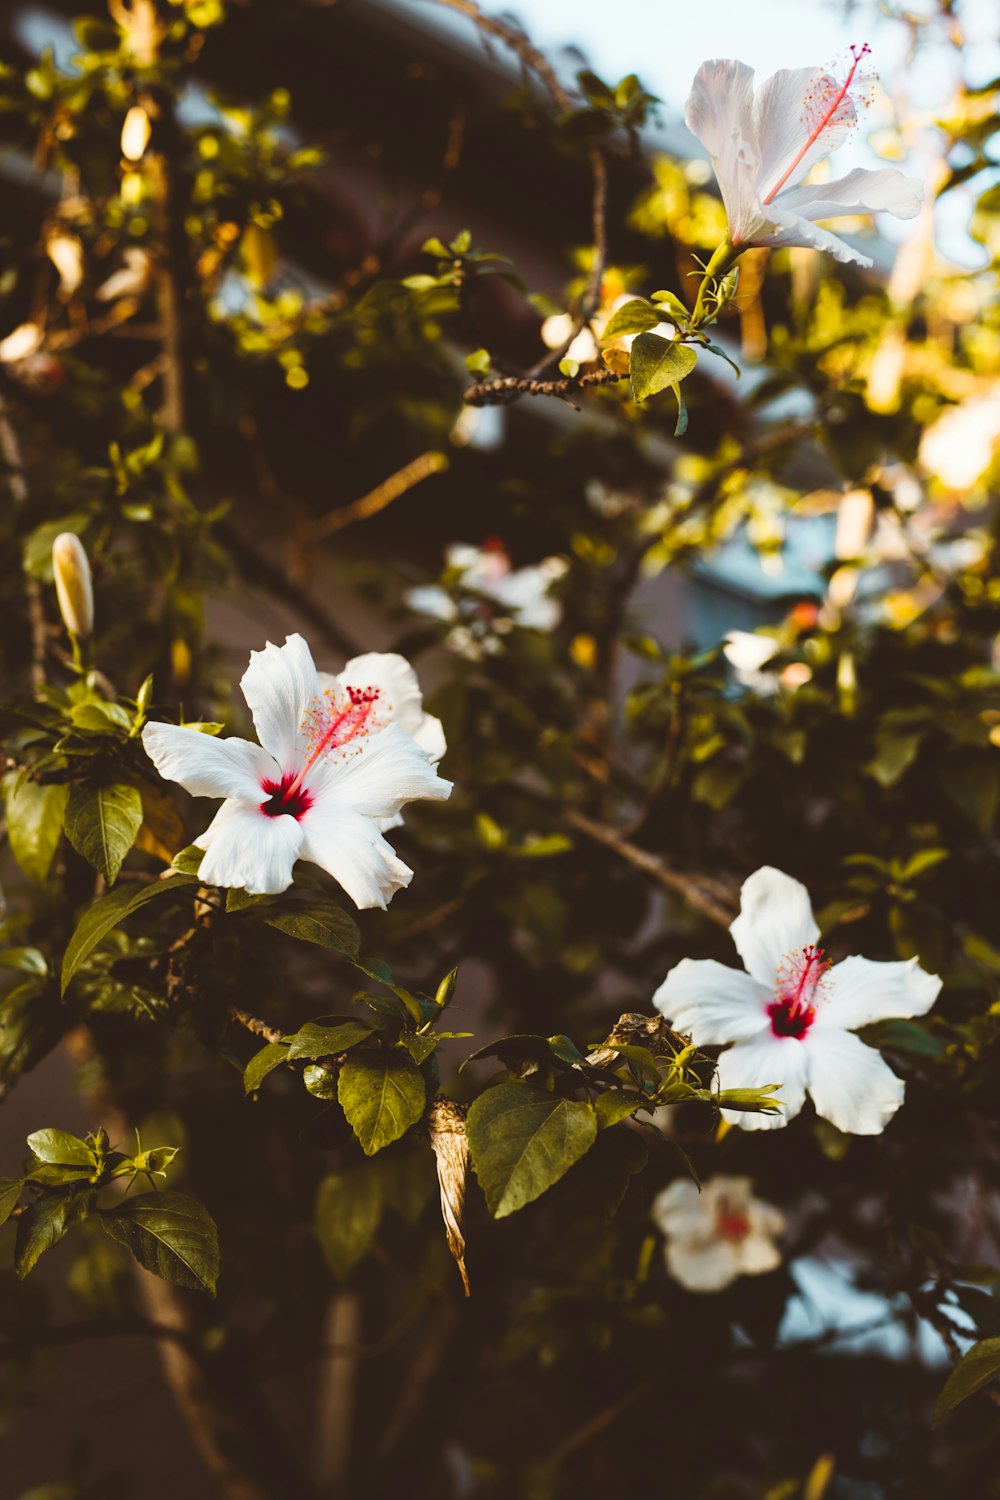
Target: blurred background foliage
pixel 252 258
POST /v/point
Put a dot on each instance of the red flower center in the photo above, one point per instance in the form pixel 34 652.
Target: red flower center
pixel 732 1224
pixel 285 798
pixel 793 1010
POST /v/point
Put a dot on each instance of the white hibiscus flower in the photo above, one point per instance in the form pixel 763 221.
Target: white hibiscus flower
pixel 333 768
pixel 791 1017
pixel 508 597
pixel 762 144
pixel 715 1235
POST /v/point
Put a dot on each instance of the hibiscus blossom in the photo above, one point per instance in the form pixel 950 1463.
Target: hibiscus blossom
pixel 507 597
pixel 791 1017
pixel 761 145
pixel 333 768
pixel 716 1234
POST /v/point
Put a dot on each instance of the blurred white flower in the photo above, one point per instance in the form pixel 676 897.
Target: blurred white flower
pixel 66 254
pixel 333 768
pixel 505 597
pixel 762 144
pixel 715 1235
pixel 25 340
pixel 748 652
pixel 131 279
pixel 960 446
pixel 791 1017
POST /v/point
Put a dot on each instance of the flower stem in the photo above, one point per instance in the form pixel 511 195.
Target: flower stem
pixel 723 257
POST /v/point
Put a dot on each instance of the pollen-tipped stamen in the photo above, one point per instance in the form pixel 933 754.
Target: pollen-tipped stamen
pixel 857 53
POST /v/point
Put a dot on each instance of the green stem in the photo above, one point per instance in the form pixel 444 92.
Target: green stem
pixel 723 257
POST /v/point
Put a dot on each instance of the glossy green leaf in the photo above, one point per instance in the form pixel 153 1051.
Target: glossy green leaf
pixel 637 316
pixel 314 1039
pixel 324 923
pixel 348 1213
pixel 62 1149
pixel 170 1234
pixel 382 1094
pixel 10 1192
pixel 263 1062
pixel 102 824
pixel 615 1105
pixel 523 1141
pixel 977 1367
pixel 34 822
pixel 104 915
pixel 43 1225
pixel 657 363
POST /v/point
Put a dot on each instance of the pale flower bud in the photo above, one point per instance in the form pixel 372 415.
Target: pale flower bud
pixel 71 570
pixel 135 133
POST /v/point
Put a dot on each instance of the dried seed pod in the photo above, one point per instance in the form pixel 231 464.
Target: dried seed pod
pixel 446 1121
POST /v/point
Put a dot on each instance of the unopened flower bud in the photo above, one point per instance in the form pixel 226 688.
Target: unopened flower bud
pixel 73 587
pixel 446 1122
pixel 135 133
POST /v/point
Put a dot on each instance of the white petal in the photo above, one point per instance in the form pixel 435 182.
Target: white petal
pixel 767 1059
pixel 431 601
pixel 400 699
pixel 850 1084
pixel 376 774
pixel 860 991
pixel 747 651
pixel 765 1219
pixel 784 119
pixel 350 847
pixel 702 1266
pixel 679 1209
pixel 711 1003
pixel 887 190
pixel 206 766
pixel 785 229
pixel 281 687
pixel 719 111
pixel 775 920
pixel 247 848
pixel 757 1254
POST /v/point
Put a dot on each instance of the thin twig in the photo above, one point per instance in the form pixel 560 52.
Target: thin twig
pixel 260 1028
pixel 708 896
pixel 597 1424
pixel 512 387
pixel 377 499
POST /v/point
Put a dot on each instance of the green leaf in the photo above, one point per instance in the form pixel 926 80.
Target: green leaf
pixel 324 923
pixel 320 1080
pixel 434 246
pixel 170 1234
pixel 382 1094
pixel 637 316
pixel 975 1369
pixel 673 303
pixel 478 362
pixel 43 1225
pixel 25 960
pixel 348 1212
pixel 894 754
pixel 757 1101
pixel 570 368
pixel 31 1022
pixel 263 1062
pixel 62 1149
pixel 907 1036
pixel 615 1105
pixel 102 824
pixel 34 822
pixel 657 363
pixel 523 1141
pixel 315 1040
pixel 10 1192
pixel 105 914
